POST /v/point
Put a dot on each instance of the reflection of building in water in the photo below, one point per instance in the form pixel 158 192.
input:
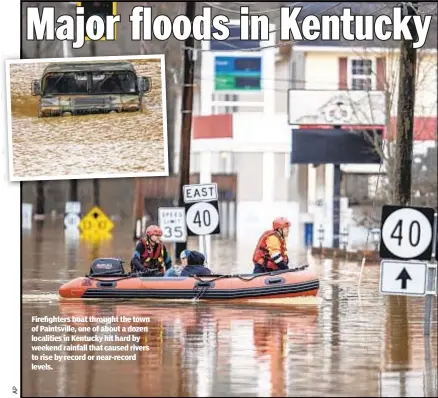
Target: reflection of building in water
pixel 200 350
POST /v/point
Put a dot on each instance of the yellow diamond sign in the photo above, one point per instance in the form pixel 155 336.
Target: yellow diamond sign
pixel 96 221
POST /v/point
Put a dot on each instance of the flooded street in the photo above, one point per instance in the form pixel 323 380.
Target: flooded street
pixel 339 344
pixel 89 144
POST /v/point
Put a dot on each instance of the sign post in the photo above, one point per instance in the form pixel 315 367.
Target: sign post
pixel 408 251
pixel 432 285
pixel 202 212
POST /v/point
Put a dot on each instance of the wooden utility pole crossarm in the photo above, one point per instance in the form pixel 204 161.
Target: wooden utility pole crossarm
pixel 405 113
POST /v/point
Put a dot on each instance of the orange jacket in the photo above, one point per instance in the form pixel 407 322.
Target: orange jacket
pixel 271 250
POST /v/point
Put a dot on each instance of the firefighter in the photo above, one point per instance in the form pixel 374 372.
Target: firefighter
pixel 271 252
pixel 150 253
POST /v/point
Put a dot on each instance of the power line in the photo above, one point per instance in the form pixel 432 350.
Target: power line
pixel 261 12
pixel 265 47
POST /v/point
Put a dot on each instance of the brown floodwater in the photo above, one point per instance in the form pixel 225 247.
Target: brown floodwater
pixel 339 344
pixel 105 144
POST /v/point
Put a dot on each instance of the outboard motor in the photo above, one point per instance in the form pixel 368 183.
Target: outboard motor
pixel 107 266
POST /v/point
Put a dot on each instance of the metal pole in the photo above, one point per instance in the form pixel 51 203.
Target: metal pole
pixel 336 205
pixel 431 284
pixel 187 108
pixel 204 245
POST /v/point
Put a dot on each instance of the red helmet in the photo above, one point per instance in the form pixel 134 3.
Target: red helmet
pixel 280 222
pixel 154 230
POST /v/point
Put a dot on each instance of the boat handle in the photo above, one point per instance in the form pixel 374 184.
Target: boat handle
pixel 277 280
pixel 107 284
pixel 203 284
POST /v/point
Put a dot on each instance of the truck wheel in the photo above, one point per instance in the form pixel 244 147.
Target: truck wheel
pixel 66 113
pixel 113 111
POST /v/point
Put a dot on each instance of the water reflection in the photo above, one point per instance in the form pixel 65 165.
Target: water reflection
pixel 339 346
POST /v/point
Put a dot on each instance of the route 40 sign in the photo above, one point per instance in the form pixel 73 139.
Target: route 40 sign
pixel 407 233
pixel 172 221
pixel 202 209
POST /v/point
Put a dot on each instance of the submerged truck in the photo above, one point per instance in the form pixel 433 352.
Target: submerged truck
pixel 67 89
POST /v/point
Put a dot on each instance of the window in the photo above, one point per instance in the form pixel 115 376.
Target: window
pixel 361 74
pixel 113 83
pixel 65 83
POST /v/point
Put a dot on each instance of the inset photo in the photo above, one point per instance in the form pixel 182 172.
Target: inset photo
pixel 93 117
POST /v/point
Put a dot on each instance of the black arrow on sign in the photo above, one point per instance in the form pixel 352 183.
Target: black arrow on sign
pixel 404 276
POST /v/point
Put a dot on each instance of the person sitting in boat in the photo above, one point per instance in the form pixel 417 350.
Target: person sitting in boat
pixel 150 253
pixel 176 270
pixel 192 263
pixel 195 265
pixel 271 253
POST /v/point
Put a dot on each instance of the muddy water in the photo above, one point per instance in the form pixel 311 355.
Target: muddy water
pixel 339 344
pixel 89 144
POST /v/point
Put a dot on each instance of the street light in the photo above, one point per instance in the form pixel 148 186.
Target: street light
pixel 320 235
pixel 344 239
pixel 375 236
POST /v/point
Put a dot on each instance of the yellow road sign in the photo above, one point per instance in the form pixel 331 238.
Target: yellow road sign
pixel 96 221
pixel 96 236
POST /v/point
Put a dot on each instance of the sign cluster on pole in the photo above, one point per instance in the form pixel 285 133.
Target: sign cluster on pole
pixel 408 244
pixel 202 212
pixel 199 216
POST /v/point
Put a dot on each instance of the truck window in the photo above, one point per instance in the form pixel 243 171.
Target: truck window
pixel 113 83
pixel 65 83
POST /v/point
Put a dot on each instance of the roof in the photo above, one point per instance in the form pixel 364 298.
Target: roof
pixel 89 66
pixel 363 8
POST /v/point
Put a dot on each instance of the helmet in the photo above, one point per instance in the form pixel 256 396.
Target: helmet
pixel 154 230
pixel 280 222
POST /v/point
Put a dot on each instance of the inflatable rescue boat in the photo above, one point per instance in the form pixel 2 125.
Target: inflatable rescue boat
pixel 107 279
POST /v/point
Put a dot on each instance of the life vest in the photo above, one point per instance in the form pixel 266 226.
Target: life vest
pixel 261 254
pixel 152 258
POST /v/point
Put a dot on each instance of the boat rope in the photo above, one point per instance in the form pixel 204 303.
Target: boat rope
pixel 248 279
pixel 121 277
pixel 200 292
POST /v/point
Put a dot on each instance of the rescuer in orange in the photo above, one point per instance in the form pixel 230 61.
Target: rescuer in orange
pixel 271 253
pixel 150 253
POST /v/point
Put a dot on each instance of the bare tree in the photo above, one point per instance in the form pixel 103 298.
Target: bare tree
pixel 424 181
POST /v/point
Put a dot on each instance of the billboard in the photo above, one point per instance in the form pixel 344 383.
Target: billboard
pixel 237 73
pixel 336 146
pixel 336 107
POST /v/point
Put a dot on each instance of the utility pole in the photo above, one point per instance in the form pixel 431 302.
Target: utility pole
pixel 405 113
pixel 138 208
pixel 187 108
pixel 96 184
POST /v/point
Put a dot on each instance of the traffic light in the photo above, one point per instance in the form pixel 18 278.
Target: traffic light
pixel 100 8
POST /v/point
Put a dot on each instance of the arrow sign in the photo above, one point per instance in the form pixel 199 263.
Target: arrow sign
pixel 392 272
pixel 404 276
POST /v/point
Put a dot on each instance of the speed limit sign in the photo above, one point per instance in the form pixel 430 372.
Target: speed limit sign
pixel 172 222
pixel 407 233
pixel 203 218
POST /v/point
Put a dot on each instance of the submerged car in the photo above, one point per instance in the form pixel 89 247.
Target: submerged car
pixel 67 89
